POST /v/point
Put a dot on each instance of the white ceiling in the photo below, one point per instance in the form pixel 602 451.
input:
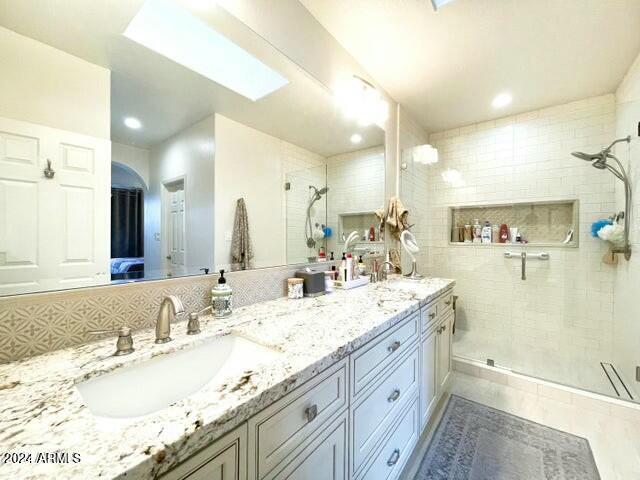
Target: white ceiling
pixel 167 97
pixel 446 67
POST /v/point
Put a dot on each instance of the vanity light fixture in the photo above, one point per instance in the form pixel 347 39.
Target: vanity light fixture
pixel 356 138
pixel 424 154
pixel 359 100
pixel 132 123
pixel 172 31
pixel 502 100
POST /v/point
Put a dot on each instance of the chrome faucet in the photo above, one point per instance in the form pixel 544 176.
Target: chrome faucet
pixel 169 308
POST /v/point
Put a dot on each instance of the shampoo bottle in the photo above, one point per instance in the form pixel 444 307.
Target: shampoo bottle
pixel 486 232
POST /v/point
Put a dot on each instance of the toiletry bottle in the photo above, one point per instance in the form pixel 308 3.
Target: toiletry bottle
pixel 343 267
pixel 486 232
pixel 331 258
pixel 221 298
pixel 349 268
pixel 372 234
pixel 361 266
pixel 504 233
pixel 477 231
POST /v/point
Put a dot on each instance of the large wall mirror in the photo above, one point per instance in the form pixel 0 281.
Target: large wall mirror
pixel 129 153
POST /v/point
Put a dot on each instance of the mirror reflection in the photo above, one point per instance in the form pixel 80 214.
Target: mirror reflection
pixel 127 153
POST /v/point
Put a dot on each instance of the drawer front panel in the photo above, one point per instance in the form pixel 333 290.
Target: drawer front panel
pixel 371 359
pixel 373 414
pixel 325 458
pixel 389 461
pixel 445 304
pixel 290 422
pixel 428 315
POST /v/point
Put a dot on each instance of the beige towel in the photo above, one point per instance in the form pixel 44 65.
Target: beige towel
pixel 395 216
pixel 241 249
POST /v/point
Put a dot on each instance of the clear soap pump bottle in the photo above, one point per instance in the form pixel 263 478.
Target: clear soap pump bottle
pixel 221 300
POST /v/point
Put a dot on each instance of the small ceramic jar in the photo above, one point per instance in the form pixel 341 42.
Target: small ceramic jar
pixel 295 288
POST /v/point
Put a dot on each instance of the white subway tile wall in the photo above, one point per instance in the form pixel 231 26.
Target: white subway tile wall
pixel 356 182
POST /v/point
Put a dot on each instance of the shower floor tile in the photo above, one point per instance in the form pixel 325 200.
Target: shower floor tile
pixel 573 369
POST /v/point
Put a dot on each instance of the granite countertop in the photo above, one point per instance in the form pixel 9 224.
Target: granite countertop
pixel 41 410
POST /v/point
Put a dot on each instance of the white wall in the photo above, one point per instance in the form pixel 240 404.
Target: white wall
pixel 356 184
pixel 137 159
pixel 43 85
pixel 253 165
pixel 627 278
pixel 566 304
pixel 189 153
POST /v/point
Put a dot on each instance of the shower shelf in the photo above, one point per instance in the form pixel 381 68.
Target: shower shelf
pixel 542 223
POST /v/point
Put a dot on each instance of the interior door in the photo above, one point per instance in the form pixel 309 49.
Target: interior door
pixel 54 230
pixel 174 219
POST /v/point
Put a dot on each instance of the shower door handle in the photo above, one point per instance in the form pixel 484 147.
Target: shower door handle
pixel 524 265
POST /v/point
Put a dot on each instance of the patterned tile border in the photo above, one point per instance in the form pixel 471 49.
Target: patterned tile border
pixel 37 323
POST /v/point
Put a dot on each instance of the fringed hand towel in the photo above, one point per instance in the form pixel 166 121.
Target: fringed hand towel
pixel 241 249
pixel 394 217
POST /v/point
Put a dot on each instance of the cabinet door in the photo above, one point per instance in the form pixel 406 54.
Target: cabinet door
pixel 325 458
pixel 429 375
pixel 224 459
pixel 444 351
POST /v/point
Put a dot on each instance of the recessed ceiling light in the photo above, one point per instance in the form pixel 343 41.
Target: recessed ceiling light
pixel 170 30
pixel 132 122
pixel 356 138
pixel 502 100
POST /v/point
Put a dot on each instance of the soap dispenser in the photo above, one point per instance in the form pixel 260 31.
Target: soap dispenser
pixel 221 298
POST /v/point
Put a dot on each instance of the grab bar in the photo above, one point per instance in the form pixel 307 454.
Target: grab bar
pixel 523 256
pixel 539 256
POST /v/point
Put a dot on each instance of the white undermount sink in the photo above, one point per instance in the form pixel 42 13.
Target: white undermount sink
pixel 156 383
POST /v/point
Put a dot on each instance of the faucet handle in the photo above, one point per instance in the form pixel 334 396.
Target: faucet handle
pixel 193 326
pixel 124 344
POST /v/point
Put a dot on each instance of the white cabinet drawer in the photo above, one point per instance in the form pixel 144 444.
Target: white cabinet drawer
pixel 279 429
pixel 389 461
pixel 373 413
pixel 445 304
pixel 371 359
pixel 325 458
pixel 428 315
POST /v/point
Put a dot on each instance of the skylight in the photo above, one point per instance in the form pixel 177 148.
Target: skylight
pixel 171 31
pixel 439 3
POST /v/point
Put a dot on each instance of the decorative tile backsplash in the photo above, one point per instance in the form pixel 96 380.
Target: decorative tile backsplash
pixel 37 323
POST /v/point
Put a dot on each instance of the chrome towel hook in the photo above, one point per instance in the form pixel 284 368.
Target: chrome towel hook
pixel 49 172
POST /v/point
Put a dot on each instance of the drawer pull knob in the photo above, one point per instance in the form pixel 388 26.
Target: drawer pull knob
pixel 395 456
pixel 448 302
pixel 394 396
pixel 432 315
pixel 394 346
pixel 439 330
pixel 444 327
pixel 311 412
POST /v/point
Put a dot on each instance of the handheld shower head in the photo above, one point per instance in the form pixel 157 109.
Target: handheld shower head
pixel 589 157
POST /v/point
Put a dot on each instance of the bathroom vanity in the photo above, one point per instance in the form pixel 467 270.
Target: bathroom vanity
pixel 349 383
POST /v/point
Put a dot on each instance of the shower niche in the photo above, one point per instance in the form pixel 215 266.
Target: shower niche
pixel 546 223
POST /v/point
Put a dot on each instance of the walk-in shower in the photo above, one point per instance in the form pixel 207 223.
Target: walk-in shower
pixel 600 161
pixel 315 196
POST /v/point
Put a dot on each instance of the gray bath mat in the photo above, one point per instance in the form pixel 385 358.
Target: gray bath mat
pixel 476 442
